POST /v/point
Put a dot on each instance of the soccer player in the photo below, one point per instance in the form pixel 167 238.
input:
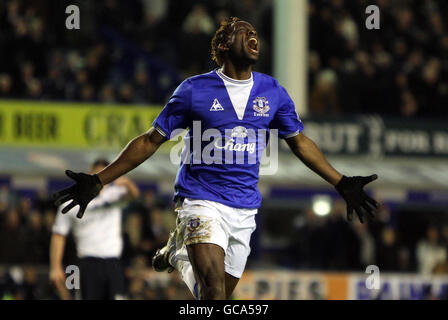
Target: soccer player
pixel 216 192
pixel 98 241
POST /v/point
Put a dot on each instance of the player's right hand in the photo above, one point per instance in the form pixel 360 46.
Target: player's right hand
pixel 86 188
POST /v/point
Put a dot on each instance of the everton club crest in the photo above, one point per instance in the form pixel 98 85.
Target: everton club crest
pixel 261 107
pixel 193 224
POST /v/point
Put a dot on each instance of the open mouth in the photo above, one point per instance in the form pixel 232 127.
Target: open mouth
pixel 252 44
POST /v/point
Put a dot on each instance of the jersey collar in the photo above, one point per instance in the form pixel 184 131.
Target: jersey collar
pixel 226 78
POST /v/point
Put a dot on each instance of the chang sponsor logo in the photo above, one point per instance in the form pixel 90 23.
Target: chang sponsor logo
pixel 238 145
pixel 231 144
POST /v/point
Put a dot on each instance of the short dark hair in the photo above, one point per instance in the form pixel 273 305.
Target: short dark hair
pixel 221 37
pixel 100 162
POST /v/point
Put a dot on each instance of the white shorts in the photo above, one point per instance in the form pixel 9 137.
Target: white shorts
pixel 203 221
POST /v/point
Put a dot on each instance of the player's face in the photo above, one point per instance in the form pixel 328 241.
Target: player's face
pixel 244 45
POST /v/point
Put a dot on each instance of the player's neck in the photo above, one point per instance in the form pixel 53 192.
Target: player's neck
pixel 237 72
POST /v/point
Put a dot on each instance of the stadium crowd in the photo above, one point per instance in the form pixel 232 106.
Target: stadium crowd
pixel 317 243
pixel 384 242
pixel 124 52
pixel 400 69
pixel 138 51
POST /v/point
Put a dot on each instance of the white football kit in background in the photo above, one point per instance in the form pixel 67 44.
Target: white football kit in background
pixel 98 233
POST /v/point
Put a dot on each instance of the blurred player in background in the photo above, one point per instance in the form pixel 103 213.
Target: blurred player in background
pixel 217 202
pixel 98 240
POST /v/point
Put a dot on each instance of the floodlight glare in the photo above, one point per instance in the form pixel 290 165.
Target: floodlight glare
pixel 321 205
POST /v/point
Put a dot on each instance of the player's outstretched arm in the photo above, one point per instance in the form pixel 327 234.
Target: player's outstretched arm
pixel 350 188
pixel 135 153
pixel 307 151
pixel 88 186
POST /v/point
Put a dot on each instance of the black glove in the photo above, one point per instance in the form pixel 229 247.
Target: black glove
pixel 82 192
pixel 351 189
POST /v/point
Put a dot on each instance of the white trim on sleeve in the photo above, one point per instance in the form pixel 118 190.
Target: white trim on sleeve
pixel 292 134
pixel 159 130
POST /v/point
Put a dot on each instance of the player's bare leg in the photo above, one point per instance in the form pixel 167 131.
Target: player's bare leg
pixel 165 260
pixel 231 283
pixel 208 266
pixel 201 265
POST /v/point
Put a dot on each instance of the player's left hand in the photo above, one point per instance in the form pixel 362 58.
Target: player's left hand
pixel 81 193
pixel 351 189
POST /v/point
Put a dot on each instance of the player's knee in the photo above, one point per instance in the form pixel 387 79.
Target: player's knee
pixel 215 292
pixel 212 285
pixel 208 263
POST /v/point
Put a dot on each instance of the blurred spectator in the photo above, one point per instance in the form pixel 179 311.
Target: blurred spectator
pixel 382 220
pixel 155 10
pixel 126 93
pixel 199 22
pixel 37 240
pixel 198 29
pixel 12 239
pixel 34 89
pixel 143 91
pixel 155 233
pixel 24 208
pixel 8 198
pixel 388 250
pixel 308 228
pixel 324 99
pixel 430 252
pixel 107 94
pixel 133 236
pixel 30 285
pixel 366 246
pixel 408 107
pixel 87 93
pixel 342 244
pixel 5 86
pixel 404 260
pixel 444 236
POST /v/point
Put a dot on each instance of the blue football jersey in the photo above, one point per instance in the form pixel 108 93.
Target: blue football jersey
pixel 221 158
